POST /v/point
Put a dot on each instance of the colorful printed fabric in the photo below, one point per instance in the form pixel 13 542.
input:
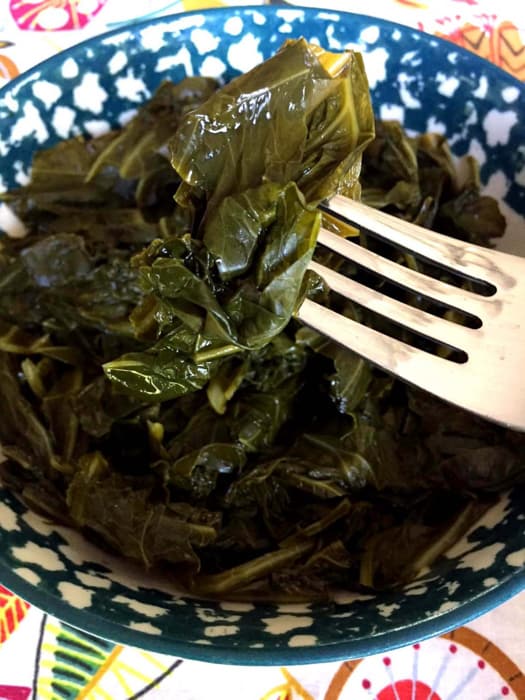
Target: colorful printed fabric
pixel 32 30
pixel 44 659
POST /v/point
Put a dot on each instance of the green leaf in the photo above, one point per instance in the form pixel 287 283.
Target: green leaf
pixel 235 228
pixel 239 576
pixel 152 127
pixel 307 113
pixel 20 424
pixel 125 515
pixel 197 472
pixel 158 376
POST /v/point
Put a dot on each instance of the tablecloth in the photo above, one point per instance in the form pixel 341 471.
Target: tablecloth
pixel 44 659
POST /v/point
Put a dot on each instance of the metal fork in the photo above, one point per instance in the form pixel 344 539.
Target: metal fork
pixel 491 382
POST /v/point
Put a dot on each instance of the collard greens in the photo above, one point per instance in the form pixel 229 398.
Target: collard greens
pixel 157 391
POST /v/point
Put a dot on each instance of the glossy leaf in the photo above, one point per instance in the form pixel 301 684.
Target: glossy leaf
pixel 158 392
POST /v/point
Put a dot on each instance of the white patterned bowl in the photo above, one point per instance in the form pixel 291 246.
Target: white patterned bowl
pixel 428 84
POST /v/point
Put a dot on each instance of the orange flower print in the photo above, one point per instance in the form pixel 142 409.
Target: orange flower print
pixel 54 15
pixel 8 68
pixel 498 42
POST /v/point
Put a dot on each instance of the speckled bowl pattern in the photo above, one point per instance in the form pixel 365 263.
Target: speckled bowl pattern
pixel 429 85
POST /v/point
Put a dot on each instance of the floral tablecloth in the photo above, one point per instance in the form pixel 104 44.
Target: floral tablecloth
pixel 42 658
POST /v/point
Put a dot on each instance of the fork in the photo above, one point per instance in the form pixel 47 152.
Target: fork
pixel 490 381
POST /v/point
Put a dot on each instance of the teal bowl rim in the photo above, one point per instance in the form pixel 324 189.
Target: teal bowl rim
pixel 238 656
pixel 391 639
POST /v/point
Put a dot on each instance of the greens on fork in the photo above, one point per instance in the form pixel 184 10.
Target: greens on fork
pixel 159 393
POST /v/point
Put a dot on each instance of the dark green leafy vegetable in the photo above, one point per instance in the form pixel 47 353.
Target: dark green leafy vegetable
pixel 416 178
pixel 236 280
pixel 128 517
pixel 135 147
pixel 307 111
pixel 157 391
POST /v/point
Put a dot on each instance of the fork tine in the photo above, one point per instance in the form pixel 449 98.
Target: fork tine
pixel 408 316
pixel 465 384
pixel 464 258
pixel 420 283
pixel 489 383
pixel 415 366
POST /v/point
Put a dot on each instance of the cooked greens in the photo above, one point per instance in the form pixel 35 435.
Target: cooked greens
pixel 157 391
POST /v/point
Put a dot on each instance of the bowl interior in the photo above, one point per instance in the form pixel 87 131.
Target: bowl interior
pixel 429 85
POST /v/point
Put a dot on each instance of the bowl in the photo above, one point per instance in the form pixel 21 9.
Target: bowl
pixel 429 85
